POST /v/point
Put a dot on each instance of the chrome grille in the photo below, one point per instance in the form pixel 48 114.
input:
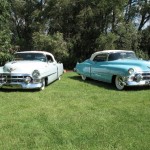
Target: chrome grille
pixel 146 76
pixel 8 78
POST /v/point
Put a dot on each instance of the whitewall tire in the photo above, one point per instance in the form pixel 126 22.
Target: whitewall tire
pixel 83 77
pixel 119 83
pixel 43 84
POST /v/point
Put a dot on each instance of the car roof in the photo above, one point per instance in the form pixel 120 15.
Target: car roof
pixel 107 51
pixel 42 52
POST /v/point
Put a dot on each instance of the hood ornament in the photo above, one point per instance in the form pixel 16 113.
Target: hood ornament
pixel 11 69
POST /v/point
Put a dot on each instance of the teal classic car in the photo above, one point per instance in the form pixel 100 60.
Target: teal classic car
pixel 120 67
pixel 30 70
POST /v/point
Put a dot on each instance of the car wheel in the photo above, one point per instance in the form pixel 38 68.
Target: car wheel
pixel 43 84
pixel 83 77
pixel 119 83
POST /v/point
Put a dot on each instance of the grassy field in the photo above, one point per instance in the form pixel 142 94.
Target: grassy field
pixel 72 114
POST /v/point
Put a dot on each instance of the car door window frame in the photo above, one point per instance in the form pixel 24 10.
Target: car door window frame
pixel 101 58
pixel 49 59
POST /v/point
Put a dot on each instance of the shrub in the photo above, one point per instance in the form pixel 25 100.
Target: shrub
pixel 4 57
pixel 142 55
pixel 51 43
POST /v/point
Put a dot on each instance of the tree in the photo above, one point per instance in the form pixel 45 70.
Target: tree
pixel 138 11
pixel 27 19
pixel 145 41
pixel 83 26
pixel 52 43
pixel 5 32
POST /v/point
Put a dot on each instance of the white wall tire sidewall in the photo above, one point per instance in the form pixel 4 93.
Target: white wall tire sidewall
pixel 118 83
pixel 43 84
pixel 83 77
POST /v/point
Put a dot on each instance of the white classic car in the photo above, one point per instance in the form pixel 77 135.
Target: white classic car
pixel 30 70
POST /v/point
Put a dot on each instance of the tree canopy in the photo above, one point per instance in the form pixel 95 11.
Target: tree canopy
pixel 74 29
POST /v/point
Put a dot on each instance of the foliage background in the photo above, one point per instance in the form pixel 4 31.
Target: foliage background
pixel 73 29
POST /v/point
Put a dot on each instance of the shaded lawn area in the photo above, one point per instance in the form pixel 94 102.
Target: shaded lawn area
pixel 72 114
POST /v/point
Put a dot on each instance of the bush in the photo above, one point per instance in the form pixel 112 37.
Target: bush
pixel 5 46
pixel 4 57
pixel 142 55
pixel 54 44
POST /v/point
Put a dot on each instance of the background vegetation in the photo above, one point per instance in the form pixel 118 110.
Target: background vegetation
pixel 81 115
pixel 73 29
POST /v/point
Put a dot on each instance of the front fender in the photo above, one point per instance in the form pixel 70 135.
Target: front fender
pixel 118 71
pixel 1 70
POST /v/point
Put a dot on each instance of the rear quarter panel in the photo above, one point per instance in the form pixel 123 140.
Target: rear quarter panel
pixel 84 68
pixel 60 69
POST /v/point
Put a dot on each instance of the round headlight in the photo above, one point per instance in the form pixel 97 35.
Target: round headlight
pixel 27 80
pixel 131 71
pixel 138 77
pixel 35 74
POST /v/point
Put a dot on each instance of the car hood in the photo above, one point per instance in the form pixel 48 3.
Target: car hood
pixel 138 65
pixel 23 66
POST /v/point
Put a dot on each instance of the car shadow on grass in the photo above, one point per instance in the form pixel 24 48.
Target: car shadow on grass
pixel 137 88
pixel 94 82
pixel 109 86
pixel 19 90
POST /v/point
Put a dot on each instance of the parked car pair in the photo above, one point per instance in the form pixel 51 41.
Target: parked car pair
pixel 35 69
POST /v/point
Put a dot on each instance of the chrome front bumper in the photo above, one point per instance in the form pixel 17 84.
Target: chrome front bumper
pixel 21 85
pixel 141 83
pixel 17 81
pixel 138 79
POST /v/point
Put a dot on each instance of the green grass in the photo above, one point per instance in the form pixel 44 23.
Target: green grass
pixel 72 114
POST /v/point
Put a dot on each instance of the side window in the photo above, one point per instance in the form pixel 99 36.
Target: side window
pixel 100 57
pixel 49 58
pixel 40 57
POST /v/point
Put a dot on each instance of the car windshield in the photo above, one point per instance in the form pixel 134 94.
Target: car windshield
pixel 30 56
pixel 122 55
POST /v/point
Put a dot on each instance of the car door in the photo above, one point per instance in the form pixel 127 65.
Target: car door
pixel 52 68
pixel 99 70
